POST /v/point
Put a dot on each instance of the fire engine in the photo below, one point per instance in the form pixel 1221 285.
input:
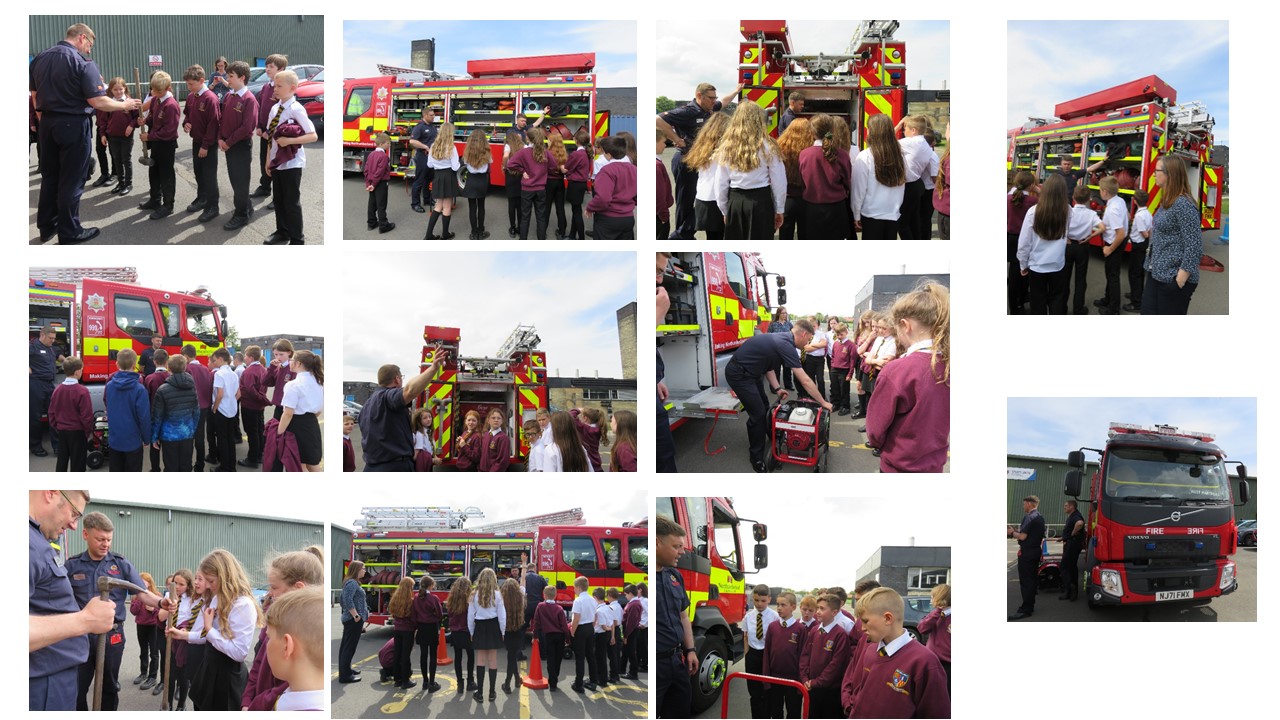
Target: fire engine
pixel 488 98
pixel 868 78
pixel 1161 525
pixel 396 543
pixel 718 300
pixel 514 381
pixel 715 579
pixel 1128 127
pixel 97 318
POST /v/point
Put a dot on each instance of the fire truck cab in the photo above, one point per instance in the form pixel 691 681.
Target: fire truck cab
pixel 1161 525
pixel 718 300
pixel 714 573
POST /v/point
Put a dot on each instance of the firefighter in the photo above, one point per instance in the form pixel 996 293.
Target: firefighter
pixel 1072 543
pixel 41 371
pixel 681 126
pixel 1030 534
pixel 421 138
pixel 677 656
pixel 795 106
pixel 384 422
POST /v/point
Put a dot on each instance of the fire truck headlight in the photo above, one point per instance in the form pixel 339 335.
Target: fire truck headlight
pixel 1111 583
pixel 1228 576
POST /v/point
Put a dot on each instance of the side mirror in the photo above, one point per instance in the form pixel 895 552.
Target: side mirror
pixel 1242 472
pixel 1075 459
pixel 1244 492
pixel 1072 485
pixel 762 557
pixel 760 532
pixel 782 295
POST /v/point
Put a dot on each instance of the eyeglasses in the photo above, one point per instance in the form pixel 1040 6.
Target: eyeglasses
pixel 76 513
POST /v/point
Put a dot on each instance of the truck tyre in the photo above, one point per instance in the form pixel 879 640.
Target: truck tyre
pixel 1089 562
pixel 713 665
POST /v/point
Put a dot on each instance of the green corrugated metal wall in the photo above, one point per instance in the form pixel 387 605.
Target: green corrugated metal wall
pixel 125 41
pixel 339 550
pixel 154 543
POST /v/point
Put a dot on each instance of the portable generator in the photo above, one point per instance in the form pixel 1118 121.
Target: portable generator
pixel 801 432
pixel 98 449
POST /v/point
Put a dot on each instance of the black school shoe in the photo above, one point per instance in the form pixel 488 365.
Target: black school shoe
pixel 1132 308
pixel 276 238
pixel 85 235
pixel 262 191
pixel 384 229
pixel 195 205
pixel 161 212
pixel 150 204
pixel 235 223
pixel 102 180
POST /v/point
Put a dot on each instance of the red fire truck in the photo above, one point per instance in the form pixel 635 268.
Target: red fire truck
pixel 868 78
pixel 718 300
pixel 714 576
pixel 98 318
pixel 1161 526
pixel 514 381
pixel 395 543
pixel 1128 127
pixel 488 99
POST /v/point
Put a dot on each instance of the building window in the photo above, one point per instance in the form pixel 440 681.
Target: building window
pixel 599 394
pixel 926 578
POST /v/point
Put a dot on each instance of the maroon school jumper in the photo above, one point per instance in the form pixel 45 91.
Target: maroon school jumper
pixel 523 162
pixel 909 415
pixel 261 679
pixel 120 121
pixel 665 198
pixel 203 378
pixel 590 437
pixel 427 609
pixel 908 684
pixel 626 459
pixel 266 103
pixel 203 114
pixel 495 453
pixel 253 387
pixel 277 376
pixel 377 168
pixel 348 456
pixel 825 182
pixel 162 120
pixel 469 453
pixel 70 408
pixel 782 648
pixel 548 617
pixel 153 381
pixel 239 116
pixel 822 663
pixel 614 191
pixel 578 167
pixel 938 627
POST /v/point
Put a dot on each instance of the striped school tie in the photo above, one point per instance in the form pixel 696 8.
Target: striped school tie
pixel 882 652
pixel 759 626
pixel 275 120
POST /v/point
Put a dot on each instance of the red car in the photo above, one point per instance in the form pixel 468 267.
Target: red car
pixel 311 95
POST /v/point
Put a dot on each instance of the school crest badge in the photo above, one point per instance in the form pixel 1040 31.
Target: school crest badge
pixel 97 303
pixel 829 645
pixel 900 680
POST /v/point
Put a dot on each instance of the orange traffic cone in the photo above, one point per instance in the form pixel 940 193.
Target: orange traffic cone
pixel 534 679
pixel 442 652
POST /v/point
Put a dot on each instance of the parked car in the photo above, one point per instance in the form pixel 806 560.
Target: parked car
pixel 917 606
pixel 311 95
pixel 1247 533
pixel 352 408
pixel 258 75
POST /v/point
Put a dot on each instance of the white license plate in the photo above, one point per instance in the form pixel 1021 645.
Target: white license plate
pixel 1175 595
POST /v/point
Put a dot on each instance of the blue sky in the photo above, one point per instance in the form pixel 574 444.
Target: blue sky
pixel 572 299
pixel 367 43
pixel 693 52
pixel 1085 57
pixel 1052 427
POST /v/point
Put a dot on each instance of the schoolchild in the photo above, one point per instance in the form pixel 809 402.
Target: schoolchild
pixel 930 183
pixel 303 401
pixel 203 378
pixel 937 625
pixel 700 158
pixel 279 372
pixel 783 642
pixel 844 141
pixel 577 172
pixel 428 611
pixel 226 627
pixel 822 663
pixel 565 452
pixel 348 450
pixel 175 415
pixel 603 638
pixel 1042 247
pixel 101 119
pixel 423 449
pixel 615 633
pixel 613 196
pixel 879 183
pixel 909 418
pixel 119 137
pixel 288 129
pixel 1115 221
pixel 514 143
pixel 444 163
pixel 1142 226
pixel 286 573
pixel 235 138
pixel 557 156
pixel 1024 194
pixel 1081 225
pixel 161 138
pixel 826 177
pixel 751 186
pixel 916 155
pixel 588 422
pixel 530 163
pixel 486 622
pixel 632 611
pixel 476 156
pixel 901 678
pixel 550 627
pixel 460 634
pixel 470 442
pixel 622 456
pixel 128 407
pixel 295 628
pixel 942 190
pixel 253 401
pixel 226 386
pixel 191 603
pixel 582 629
pixel 148 650
pixel 808 610
pixel 266 108
pixel 200 119
pixel 842 352
pixel 513 634
pixel 755 629
pixel 629 142
pixel 533 436
pixel 882 351
pixel 798 137
pixel 71 417
pixel 377 175
pixel 495 454
pixel 400 608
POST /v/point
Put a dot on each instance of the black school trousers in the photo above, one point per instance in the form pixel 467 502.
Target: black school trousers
pixel 121 157
pixel 161 175
pixel 378 204
pixel 608 227
pixel 552 649
pixel 206 171
pixel 239 161
pixel 286 193
pixel 758 691
pixel 1137 276
pixel 118 461
pixel 253 425
pixel 1112 292
pixel 224 429
pixel 177 454
pixel 1047 292
pixel 1076 274
pixel 73 448
pixel 533 203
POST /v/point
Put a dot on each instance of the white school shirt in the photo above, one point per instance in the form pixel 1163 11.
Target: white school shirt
pixel 915 154
pixel 600 161
pixel 283 112
pixel 422 441
pixel 1113 218
pixel 303 394
pixel 895 645
pixel 707 183
pixel 496 610
pixel 302 700
pixel 534 462
pixel 184 609
pixel 585 606
pixel 820 334
pixel 883 347
pixel 844 621
pixel 931 177
pixel 482 170
pixel 241 619
pixel 770 172
pixel 450 163
pixel 552 462
pixel 1081 222
pixel 1039 254
pixel 616 608
pixel 749 626
pixel 869 197
pixel 226 379
pixel 604 617
pixel 1141 223
pixel 918 346
pixel 644 611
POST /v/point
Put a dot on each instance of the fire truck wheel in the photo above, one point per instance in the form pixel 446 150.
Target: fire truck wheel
pixel 713 666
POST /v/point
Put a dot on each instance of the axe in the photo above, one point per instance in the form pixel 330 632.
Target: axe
pixel 145 160
pixel 168 651
pixel 105 585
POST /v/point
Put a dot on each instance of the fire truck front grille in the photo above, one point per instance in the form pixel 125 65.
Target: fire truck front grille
pixel 1155 547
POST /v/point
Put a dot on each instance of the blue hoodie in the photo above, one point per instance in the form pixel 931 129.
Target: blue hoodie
pixel 128 411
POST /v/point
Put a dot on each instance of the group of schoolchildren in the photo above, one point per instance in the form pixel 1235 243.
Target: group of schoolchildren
pixel 224 122
pixel 173 404
pixel 215 626
pixel 1049 229
pixel 541 173
pixel 862 664
pixel 606 637
pixel 558 441
pixel 812 183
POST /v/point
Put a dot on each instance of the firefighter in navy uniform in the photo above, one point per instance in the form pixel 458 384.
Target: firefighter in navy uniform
pixel 677 657
pixel 421 138
pixel 1030 534
pixel 84 570
pixel 681 126
pixel 1072 543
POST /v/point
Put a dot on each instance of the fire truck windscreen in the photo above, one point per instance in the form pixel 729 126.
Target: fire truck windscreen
pixel 1145 474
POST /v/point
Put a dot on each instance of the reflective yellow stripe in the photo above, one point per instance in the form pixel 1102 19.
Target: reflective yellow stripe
pixel 731 307
pixel 53 294
pixel 677 328
pixel 717 307
pixel 437 89
pixel 1091 126
pixel 350 135
pixel 1211 175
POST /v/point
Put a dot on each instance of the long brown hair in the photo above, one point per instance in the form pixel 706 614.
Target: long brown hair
pixel 1051 212
pixel 312 363
pixel 891 169
pixel 233 584
pixel 626 434
pixel 704 146
pixel 537 141
pixel 1021 183
pixel 476 153
pixel 822 130
pixel 841 134
pixel 514 603
pixel 942 182
pixel 354 568
pixel 1175 180
pixel 486 587
pixel 565 436
pixel 745 139
pixel 459 596
pixel 930 305
pixel 515 144
pixel 401 599
pixel 798 136
pixel 555 146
